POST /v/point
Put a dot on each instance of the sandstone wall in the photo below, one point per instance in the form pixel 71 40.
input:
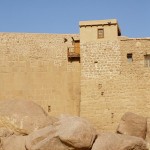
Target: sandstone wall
pixel 35 67
pixel 110 84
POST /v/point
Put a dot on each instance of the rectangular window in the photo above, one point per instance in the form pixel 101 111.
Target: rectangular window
pixel 147 60
pixel 100 33
pixel 129 57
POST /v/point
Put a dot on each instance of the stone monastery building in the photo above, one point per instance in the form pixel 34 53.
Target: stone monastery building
pixel 97 74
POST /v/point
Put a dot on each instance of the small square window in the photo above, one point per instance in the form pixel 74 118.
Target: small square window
pixel 100 33
pixel 147 60
pixel 129 57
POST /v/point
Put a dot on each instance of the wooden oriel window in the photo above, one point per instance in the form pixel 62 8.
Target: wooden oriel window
pixel 100 33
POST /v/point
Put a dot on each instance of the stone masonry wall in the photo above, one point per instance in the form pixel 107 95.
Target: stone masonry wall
pixel 35 67
pixel 110 84
pixel 100 63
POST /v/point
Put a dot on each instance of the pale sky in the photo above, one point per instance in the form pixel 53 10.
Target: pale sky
pixel 63 16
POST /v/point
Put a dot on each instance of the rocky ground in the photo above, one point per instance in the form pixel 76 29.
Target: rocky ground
pixel 24 125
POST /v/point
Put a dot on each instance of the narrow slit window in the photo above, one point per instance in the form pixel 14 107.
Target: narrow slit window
pixel 147 60
pixel 100 33
pixel 129 57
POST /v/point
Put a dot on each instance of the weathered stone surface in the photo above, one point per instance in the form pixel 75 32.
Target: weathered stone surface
pixel 14 143
pixel 23 117
pixel 109 141
pixel 45 139
pixel 132 124
pixel 75 131
pixel 5 132
pixel 35 67
pixel 68 132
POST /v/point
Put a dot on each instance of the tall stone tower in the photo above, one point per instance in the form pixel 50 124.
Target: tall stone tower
pixel 100 64
pixel 115 74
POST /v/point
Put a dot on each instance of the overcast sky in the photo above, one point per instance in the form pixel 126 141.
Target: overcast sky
pixel 63 16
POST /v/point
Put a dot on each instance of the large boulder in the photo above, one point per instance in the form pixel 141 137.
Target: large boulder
pixel 67 133
pixel 45 139
pixel 75 131
pixel 23 117
pixel 132 124
pixel 109 141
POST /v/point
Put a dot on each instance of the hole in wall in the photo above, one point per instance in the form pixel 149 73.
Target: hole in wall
pixel 99 86
pixel 112 117
pixel 102 93
pixel 96 63
pixel 49 108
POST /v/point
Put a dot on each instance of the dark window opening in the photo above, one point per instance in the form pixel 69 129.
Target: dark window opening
pixel 100 33
pixel 147 60
pixel 129 57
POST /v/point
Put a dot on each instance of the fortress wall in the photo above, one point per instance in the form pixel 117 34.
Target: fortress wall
pixel 135 76
pixel 110 85
pixel 35 67
pixel 100 63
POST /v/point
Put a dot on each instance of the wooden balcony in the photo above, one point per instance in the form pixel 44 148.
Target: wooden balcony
pixel 74 53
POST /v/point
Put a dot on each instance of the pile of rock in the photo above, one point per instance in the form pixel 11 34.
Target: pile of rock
pixel 25 126
pixel 131 135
